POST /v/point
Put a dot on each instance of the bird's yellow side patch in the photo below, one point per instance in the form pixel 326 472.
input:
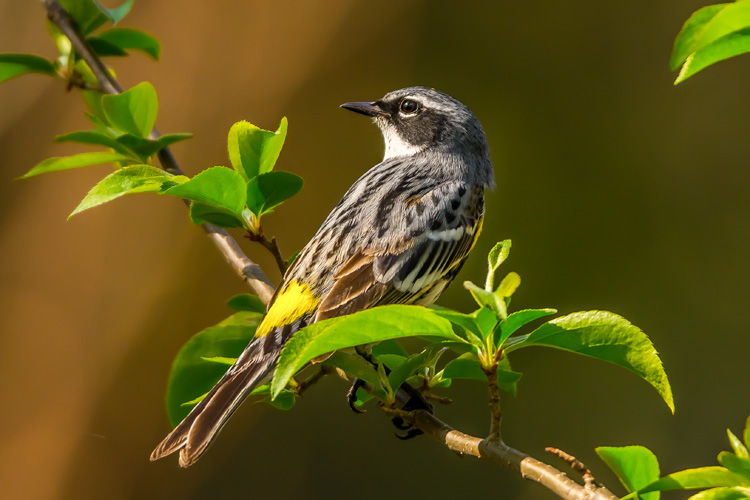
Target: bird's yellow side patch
pixel 476 234
pixel 294 301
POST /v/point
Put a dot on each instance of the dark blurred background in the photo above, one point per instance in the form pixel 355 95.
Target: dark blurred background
pixel 619 191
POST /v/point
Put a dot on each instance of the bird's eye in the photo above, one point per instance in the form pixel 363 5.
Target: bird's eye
pixel 408 106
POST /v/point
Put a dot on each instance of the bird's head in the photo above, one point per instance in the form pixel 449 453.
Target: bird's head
pixel 417 119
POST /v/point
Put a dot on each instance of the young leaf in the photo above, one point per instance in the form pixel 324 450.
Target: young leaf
pixel 266 191
pixel 94 137
pixel 518 319
pixel 507 379
pixel 702 477
pixel 12 65
pixel 489 299
pixel 252 150
pixel 74 161
pixel 115 15
pixel 364 327
pixel 606 336
pixel 746 433
pixel 134 111
pixel 409 367
pixel 218 187
pixel 192 376
pixel 127 180
pixel 497 256
pixel 247 302
pixel 635 467
pixel 508 285
pixel 129 39
pixel 692 31
pixel 739 449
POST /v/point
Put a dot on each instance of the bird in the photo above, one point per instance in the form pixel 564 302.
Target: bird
pixel 399 235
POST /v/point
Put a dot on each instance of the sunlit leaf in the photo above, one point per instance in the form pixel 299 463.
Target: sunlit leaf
pixel 219 187
pixel 127 180
pixel 607 336
pixel 722 494
pixel 738 465
pixel 739 449
pixel 252 150
pixel 133 111
pixel 702 477
pixel 75 161
pixel 268 190
pixel 518 319
pixel 364 327
pixel 497 256
pixel 635 467
pixel 12 65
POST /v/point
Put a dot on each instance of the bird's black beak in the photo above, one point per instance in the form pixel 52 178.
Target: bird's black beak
pixel 364 108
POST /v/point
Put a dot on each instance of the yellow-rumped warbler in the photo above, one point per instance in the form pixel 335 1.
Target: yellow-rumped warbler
pixel 399 235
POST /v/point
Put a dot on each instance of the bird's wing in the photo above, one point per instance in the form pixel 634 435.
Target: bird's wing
pixel 418 256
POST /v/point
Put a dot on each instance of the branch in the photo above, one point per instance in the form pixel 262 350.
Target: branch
pixel 248 270
pixel 496 414
pixel 272 246
pixel 499 452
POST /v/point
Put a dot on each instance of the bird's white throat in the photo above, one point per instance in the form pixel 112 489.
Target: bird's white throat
pixel 395 145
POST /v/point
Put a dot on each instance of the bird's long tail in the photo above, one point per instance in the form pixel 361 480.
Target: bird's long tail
pixel 197 431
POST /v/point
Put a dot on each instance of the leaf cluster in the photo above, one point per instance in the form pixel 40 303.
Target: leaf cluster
pixel 638 470
pixel 453 345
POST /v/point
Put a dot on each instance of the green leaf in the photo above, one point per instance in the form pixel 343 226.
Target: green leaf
pixel 485 298
pixel 269 190
pixel 130 39
pixel 94 101
pixel 746 433
pixel 497 256
pixel 74 161
pixel 106 49
pixel 115 15
pixel 222 360
pixel 635 467
pixel 284 401
pixel 127 180
pixel 94 137
pixel 149 147
pixel 247 302
pixel 507 379
pixel 466 366
pixel 722 494
pixel 86 13
pixel 206 214
pixel 739 449
pixel 736 464
pixel 388 347
pixel 364 327
pixel 731 45
pixel 134 111
pixel 218 187
pixel 12 65
pixel 702 477
pixel 518 319
pixel 254 151
pixel 607 336
pixel 711 34
pixel 409 367
pixel 192 376
pixel 689 38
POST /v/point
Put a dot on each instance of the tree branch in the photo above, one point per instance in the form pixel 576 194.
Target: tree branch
pixel 499 452
pixel 248 270
pixel 496 414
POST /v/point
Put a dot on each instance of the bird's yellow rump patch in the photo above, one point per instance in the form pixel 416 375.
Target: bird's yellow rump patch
pixel 293 301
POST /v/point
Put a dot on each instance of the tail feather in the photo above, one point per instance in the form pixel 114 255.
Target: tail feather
pixel 197 431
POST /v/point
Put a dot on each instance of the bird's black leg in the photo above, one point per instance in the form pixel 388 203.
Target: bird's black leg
pixel 351 396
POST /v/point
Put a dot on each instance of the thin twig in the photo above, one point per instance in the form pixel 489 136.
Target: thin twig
pixel 248 270
pixel 272 246
pixel 322 371
pixel 575 464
